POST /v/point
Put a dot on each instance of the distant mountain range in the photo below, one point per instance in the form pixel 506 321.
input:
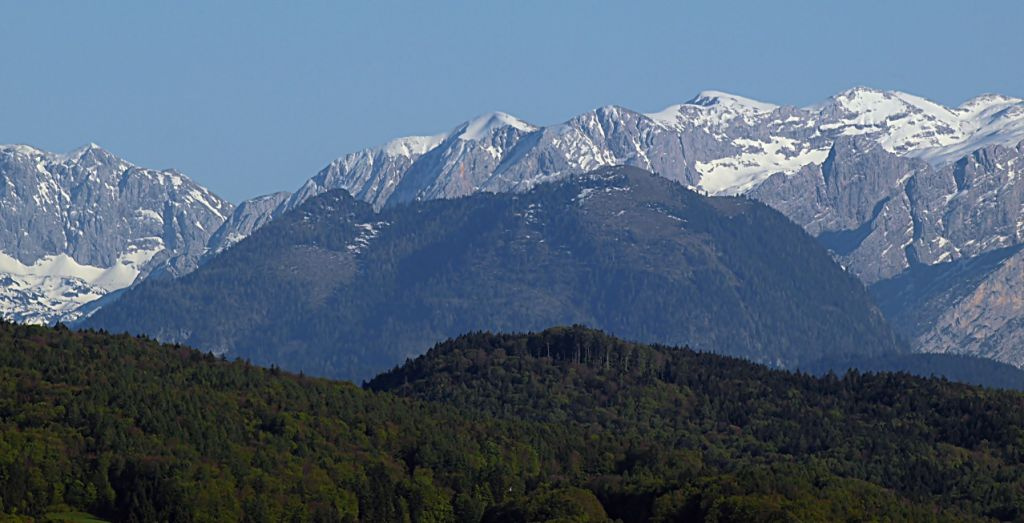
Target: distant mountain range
pixel 717 142
pixel 892 183
pixel 338 289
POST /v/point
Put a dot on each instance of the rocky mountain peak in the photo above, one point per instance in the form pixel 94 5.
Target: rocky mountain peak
pixel 78 225
pixel 730 101
pixel 485 125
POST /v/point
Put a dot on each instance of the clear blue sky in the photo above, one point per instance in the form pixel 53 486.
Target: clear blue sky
pixel 253 97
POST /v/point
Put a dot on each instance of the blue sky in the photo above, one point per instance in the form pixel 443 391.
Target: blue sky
pixel 253 97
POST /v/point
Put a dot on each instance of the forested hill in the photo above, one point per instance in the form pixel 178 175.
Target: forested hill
pixel 337 289
pixel 568 425
pixel 930 440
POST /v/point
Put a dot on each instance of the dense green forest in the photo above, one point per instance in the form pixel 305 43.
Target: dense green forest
pixel 927 439
pixel 338 290
pixel 568 425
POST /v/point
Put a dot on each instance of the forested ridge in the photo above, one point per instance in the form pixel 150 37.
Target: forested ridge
pixel 569 424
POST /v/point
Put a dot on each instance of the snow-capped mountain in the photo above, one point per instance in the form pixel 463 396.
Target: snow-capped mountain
pixel 76 226
pixel 888 180
pixel 717 142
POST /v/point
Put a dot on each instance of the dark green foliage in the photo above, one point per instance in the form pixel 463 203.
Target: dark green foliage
pixel 130 430
pixel 565 425
pixel 629 252
pixel 707 436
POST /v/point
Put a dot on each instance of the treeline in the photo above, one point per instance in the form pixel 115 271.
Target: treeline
pixel 567 425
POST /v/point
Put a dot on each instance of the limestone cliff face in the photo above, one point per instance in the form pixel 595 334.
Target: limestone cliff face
pixel 987 322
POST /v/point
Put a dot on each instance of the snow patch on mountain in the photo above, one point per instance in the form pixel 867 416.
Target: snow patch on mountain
pixel 711 109
pixel 902 123
pixel 913 126
pixel 54 286
pixel 367 232
pixel 758 160
pixel 985 120
pixel 412 145
pixel 731 101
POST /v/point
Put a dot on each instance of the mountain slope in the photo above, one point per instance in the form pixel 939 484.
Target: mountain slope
pixel 337 289
pixel 525 428
pixel 972 306
pixel 76 226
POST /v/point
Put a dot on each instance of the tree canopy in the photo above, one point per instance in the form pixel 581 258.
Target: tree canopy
pixel 565 425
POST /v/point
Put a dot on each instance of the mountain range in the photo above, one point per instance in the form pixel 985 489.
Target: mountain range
pixel 893 184
pixel 336 288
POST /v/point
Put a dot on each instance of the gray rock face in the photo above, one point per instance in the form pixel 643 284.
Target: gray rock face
pixel 972 305
pixel 856 203
pixel 989 321
pixel 989 184
pixel 247 217
pixel 962 214
pixel 844 191
pixel 77 226
pixel 969 218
